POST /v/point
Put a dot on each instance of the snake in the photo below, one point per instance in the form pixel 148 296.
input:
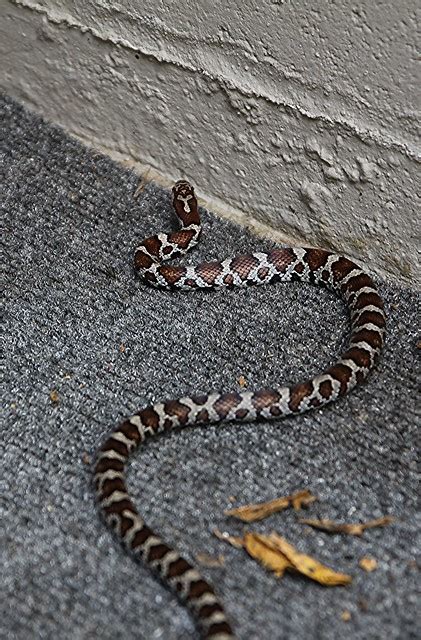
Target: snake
pixel 281 264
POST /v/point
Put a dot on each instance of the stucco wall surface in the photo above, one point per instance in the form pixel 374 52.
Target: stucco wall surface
pixel 297 119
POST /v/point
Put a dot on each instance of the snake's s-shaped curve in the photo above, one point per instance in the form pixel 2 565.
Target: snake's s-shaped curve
pixel 283 264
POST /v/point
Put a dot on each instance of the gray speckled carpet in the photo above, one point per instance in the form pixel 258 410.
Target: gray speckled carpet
pixel 80 323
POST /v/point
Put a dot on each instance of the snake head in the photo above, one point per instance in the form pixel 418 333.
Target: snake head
pixel 184 200
pixel 182 188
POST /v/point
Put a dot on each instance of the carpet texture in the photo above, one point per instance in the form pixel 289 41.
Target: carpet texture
pixel 88 344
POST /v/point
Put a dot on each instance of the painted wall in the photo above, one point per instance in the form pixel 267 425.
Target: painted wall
pixel 298 119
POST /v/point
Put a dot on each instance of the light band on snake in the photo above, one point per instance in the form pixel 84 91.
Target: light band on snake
pixel 279 265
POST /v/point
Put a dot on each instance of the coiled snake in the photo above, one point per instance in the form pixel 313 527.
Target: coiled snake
pixel 282 264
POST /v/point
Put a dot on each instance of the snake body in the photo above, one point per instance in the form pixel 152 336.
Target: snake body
pixel 281 264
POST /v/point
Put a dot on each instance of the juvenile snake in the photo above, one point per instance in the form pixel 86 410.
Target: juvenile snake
pixel 279 265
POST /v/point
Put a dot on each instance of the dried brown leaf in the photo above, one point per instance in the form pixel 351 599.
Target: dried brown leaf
pixel 143 181
pixel 346 615
pixel 257 546
pixel 140 187
pixel 363 604
pixel 234 541
pixel 356 529
pixel 210 561
pixel 368 564
pixel 302 499
pixel 255 512
pixel 54 397
pixel 242 381
pixel 307 565
pixel 276 554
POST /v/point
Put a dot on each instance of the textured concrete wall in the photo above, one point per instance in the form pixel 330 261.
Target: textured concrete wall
pixel 302 118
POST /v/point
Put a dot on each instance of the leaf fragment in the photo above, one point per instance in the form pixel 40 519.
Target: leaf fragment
pixel 140 187
pixel 86 459
pixel 363 604
pixel 242 381
pixel 54 397
pixel 278 555
pixel 255 512
pixel 354 529
pixel 234 541
pixel 257 547
pixel 368 564
pixel 307 565
pixel 209 561
pixel 346 615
